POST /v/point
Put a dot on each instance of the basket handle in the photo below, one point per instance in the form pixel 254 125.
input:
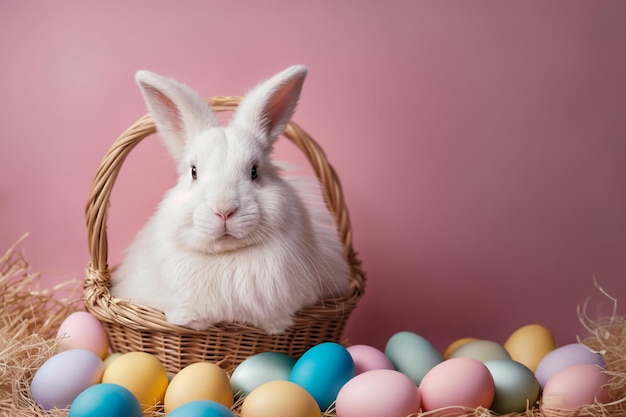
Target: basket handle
pixel 97 208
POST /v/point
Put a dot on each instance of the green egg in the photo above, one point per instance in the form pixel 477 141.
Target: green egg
pixel 412 355
pixel 259 369
pixel 481 350
pixel 516 386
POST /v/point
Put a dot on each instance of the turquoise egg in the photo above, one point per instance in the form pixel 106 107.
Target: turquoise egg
pixel 412 355
pixel 259 369
pixel 105 400
pixel 323 370
pixel 202 408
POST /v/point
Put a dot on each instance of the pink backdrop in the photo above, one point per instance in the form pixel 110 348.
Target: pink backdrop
pixel 481 145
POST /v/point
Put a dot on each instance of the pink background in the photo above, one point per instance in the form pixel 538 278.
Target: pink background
pixel 481 145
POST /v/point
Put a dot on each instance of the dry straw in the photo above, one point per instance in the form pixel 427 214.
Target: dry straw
pixel 132 327
pixel 29 320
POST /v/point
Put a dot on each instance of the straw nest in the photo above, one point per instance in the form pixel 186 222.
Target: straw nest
pixel 30 317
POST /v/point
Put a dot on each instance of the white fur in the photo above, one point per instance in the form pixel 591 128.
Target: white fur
pixel 279 255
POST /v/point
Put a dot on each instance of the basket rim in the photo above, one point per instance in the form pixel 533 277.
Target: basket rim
pixel 97 282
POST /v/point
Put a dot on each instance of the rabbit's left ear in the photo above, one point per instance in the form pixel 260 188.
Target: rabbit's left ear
pixel 178 111
pixel 268 107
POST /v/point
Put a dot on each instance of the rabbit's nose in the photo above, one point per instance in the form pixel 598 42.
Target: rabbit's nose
pixel 225 212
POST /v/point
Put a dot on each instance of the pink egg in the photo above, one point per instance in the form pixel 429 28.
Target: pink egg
pixel 460 382
pixel 82 330
pixel 381 392
pixel 573 387
pixel 368 358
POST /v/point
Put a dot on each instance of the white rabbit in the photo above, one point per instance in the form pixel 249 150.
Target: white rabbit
pixel 233 240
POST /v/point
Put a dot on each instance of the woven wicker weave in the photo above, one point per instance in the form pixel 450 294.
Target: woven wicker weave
pixel 137 328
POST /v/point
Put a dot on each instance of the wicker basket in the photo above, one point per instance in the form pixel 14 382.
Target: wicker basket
pixel 137 328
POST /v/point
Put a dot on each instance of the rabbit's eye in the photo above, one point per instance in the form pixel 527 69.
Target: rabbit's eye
pixel 194 172
pixel 253 174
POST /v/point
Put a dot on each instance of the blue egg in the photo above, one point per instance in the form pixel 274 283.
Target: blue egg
pixel 322 371
pixel 202 408
pixel 105 400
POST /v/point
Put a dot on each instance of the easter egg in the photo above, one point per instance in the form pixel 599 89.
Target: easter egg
pixel 376 393
pixel 564 357
pixel 529 344
pixel 460 382
pixel 109 359
pixel 322 371
pixel 573 387
pixel 65 375
pixel 280 399
pixel 516 386
pixel 82 330
pixel 412 355
pixel 368 358
pixel 142 374
pixel 456 344
pixel 105 400
pixel 258 369
pixel 481 350
pixel 198 381
pixel 202 408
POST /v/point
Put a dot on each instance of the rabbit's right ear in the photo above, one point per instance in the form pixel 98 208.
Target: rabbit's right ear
pixel 178 111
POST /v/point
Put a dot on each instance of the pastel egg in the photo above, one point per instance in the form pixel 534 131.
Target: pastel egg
pixel 280 399
pixel 198 381
pixel 259 369
pixel 322 371
pixel 457 382
pixel 65 375
pixel 456 344
pixel 481 350
pixel 412 355
pixel 368 358
pixel 202 408
pixel 109 359
pixel 573 387
pixel 105 400
pixel 564 357
pixel 142 374
pixel 82 330
pixel 529 344
pixel 376 393
pixel 516 386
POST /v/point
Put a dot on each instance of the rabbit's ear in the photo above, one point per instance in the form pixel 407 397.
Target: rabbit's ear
pixel 268 107
pixel 179 112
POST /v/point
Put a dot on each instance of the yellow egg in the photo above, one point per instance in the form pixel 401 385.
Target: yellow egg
pixel 280 399
pixel 142 374
pixel 529 344
pixel 109 359
pixel 198 381
pixel 457 344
